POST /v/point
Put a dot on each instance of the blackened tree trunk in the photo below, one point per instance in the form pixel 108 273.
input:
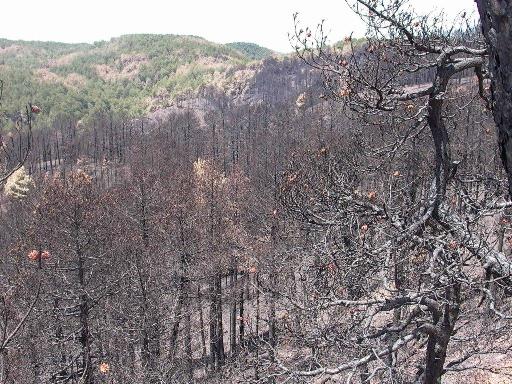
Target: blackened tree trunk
pixel 232 313
pixel 220 328
pixel 85 335
pixel 183 307
pixel 188 346
pixel 173 342
pixel 496 23
pixel 241 326
pixel 201 324
pixel 217 354
pixel 213 323
pixel 256 366
pixel 4 364
pixel 272 297
pixel 440 332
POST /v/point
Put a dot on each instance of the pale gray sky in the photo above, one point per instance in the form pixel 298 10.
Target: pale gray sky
pixel 265 22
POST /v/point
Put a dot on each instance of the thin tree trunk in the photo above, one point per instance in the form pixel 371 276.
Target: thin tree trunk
pixel 219 329
pixel 232 313
pixel 241 326
pixel 188 345
pixel 213 350
pixel 256 339
pixel 4 371
pixel 201 325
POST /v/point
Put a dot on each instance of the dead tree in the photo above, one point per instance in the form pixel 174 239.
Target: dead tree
pixel 497 29
pixel 378 83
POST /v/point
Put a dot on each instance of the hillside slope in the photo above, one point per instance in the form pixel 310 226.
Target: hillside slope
pixel 131 75
pixel 251 50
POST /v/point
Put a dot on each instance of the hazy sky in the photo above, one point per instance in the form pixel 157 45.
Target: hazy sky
pixel 265 22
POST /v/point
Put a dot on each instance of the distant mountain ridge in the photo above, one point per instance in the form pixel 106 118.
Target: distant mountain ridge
pixel 130 74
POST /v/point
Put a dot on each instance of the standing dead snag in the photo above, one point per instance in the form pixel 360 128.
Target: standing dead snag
pixel 497 29
pixel 401 76
pixel 15 148
pixel 14 151
pixel 72 219
pixel 402 72
pixel 8 335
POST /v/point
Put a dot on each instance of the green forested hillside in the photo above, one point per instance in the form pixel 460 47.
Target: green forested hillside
pixel 251 50
pixel 130 75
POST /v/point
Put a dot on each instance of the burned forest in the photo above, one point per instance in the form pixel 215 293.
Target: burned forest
pixel 340 214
